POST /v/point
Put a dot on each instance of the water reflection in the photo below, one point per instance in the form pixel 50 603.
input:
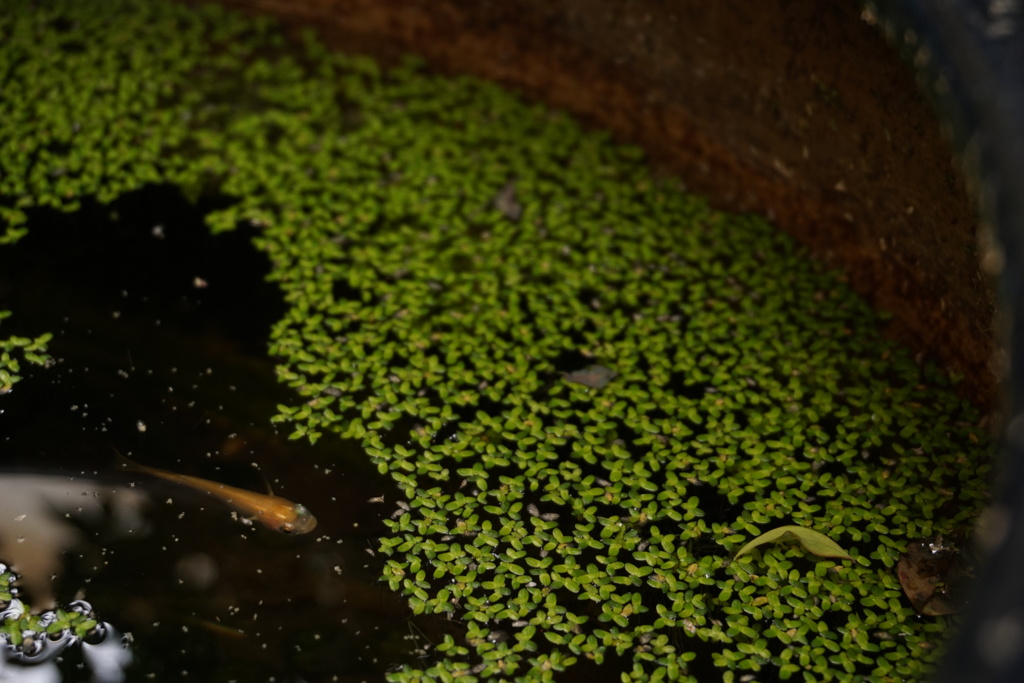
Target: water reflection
pixel 42 518
pixel 108 658
pixel 105 661
pixel 35 658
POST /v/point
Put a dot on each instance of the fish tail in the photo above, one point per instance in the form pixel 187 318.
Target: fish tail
pixel 126 463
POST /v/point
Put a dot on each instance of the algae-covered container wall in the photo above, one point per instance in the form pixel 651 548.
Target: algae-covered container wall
pixel 589 388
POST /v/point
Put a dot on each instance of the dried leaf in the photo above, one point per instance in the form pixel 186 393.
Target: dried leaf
pixel 813 541
pixel 593 376
pixel 932 573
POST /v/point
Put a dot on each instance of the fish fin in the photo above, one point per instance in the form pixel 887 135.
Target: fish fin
pixel 266 482
pixel 263 477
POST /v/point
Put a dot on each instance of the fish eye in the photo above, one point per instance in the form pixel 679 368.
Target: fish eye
pixel 287 527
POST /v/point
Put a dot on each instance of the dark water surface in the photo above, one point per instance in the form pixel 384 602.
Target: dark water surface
pixel 160 336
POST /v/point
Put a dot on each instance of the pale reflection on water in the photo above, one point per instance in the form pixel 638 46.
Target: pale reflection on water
pixel 39 522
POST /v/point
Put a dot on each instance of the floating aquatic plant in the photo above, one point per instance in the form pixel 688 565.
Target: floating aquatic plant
pixel 813 542
pixel 23 632
pixel 39 640
pixel 31 350
pixel 450 255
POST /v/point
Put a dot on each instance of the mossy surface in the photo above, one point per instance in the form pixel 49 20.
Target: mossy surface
pixel 448 252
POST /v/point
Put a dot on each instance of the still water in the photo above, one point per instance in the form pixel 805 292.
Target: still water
pixel 159 344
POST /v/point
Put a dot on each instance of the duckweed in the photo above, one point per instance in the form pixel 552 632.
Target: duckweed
pixel 31 350
pixel 22 631
pixel 449 255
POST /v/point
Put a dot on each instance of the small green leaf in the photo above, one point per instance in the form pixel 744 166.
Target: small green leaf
pixel 814 542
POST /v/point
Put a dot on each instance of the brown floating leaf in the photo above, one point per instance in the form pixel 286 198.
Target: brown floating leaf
pixel 931 571
pixel 813 542
pixel 593 376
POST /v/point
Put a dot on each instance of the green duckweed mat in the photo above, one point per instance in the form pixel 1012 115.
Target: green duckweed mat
pixel 590 388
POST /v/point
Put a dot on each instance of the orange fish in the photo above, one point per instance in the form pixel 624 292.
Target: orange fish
pixel 271 511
